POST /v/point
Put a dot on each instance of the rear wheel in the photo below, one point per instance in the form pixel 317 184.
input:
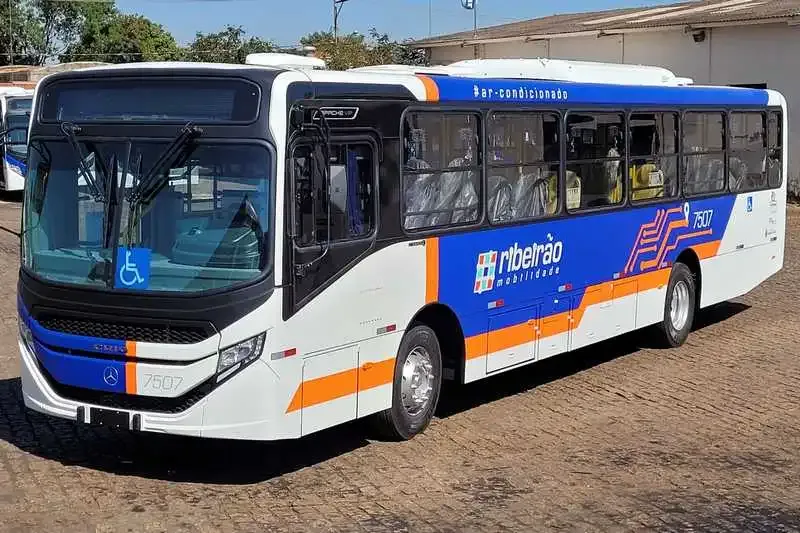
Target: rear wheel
pixel 416 387
pixel 679 306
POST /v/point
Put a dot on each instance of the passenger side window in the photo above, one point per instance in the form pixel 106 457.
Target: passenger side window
pixel 653 171
pixel 595 160
pixel 524 162
pixel 441 169
pixel 703 153
pixel 775 149
pixel 349 202
pixel 747 159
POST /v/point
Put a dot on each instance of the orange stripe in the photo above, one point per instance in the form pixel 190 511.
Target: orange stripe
pixel 130 378
pixel 508 337
pixel 340 384
pixel 371 375
pixel 476 345
pixel 130 348
pixel 655 262
pixel 324 389
pixel 431 89
pixel 707 249
pixel 431 270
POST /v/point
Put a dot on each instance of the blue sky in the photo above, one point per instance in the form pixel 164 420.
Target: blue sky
pixel 285 21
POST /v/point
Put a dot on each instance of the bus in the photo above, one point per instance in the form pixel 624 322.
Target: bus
pixel 265 250
pixel 15 110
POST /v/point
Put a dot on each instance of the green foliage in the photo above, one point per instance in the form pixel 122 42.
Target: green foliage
pixel 44 30
pixel 123 39
pixel 355 50
pixel 40 29
pixel 227 46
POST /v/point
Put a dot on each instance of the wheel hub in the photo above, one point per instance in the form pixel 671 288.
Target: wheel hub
pixel 679 306
pixel 418 378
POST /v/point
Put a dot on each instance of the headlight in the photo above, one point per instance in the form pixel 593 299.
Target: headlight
pixel 239 355
pixel 25 333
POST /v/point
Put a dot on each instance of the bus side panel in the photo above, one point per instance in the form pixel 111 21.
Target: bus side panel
pixel 595 266
pixel 347 338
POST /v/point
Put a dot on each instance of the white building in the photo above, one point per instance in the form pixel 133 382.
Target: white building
pixel 728 42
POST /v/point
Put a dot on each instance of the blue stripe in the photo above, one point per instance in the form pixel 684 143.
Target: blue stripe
pixel 84 372
pixel 453 89
pixel 592 249
pixel 16 162
pixel 76 342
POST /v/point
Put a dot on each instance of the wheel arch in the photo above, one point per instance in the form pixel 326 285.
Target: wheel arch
pixel 689 258
pixel 445 323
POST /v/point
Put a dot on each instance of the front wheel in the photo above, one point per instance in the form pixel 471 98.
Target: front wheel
pixel 416 387
pixel 679 306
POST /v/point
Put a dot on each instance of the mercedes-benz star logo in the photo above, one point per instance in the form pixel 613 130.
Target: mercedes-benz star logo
pixel 110 376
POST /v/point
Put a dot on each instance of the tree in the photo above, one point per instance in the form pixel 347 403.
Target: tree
pixel 124 39
pixel 61 24
pixel 40 29
pixel 24 34
pixel 355 50
pixel 227 46
pixel 399 53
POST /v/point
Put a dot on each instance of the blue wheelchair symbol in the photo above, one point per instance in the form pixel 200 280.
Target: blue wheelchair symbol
pixel 749 204
pixel 133 268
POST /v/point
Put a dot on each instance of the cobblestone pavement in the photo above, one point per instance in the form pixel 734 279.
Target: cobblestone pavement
pixel 617 437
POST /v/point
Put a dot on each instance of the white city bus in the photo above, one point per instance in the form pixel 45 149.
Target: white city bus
pixel 258 252
pixel 15 112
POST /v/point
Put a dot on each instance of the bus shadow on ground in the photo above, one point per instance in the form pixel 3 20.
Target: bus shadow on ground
pixel 529 377
pixel 239 462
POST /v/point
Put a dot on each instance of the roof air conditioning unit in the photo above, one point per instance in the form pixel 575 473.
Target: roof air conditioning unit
pixel 288 61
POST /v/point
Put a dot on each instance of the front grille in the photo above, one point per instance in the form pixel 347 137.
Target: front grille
pixel 130 402
pixel 163 334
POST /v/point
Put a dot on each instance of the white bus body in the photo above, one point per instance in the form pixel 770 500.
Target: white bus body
pixel 440 261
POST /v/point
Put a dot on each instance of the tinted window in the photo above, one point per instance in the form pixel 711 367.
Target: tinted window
pixel 151 100
pixel 774 149
pixel 653 168
pixel 704 153
pixel 523 159
pixel 748 153
pixel 441 169
pixel 349 202
pixel 19 104
pixel 595 159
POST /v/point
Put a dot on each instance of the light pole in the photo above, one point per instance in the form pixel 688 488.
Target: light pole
pixel 10 34
pixel 430 18
pixel 337 8
pixel 473 5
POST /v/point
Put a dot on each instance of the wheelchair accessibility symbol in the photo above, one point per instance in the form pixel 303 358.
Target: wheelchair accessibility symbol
pixel 133 268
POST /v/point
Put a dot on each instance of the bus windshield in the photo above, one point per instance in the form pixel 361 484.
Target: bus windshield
pixel 201 224
pixel 17 139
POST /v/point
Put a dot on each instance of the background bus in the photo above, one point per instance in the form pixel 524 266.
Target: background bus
pixel 15 109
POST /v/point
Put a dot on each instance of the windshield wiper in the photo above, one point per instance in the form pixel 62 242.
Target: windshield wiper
pixel 146 188
pixel 151 183
pixel 70 131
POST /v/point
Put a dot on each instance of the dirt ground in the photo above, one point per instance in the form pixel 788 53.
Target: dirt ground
pixel 621 436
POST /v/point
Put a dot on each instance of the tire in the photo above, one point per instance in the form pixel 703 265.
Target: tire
pixel 406 418
pixel 681 293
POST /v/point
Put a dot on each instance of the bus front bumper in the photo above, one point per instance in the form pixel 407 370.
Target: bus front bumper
pixel 242 407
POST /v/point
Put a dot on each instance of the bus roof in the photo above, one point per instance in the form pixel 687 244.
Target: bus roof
pixel 512 81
